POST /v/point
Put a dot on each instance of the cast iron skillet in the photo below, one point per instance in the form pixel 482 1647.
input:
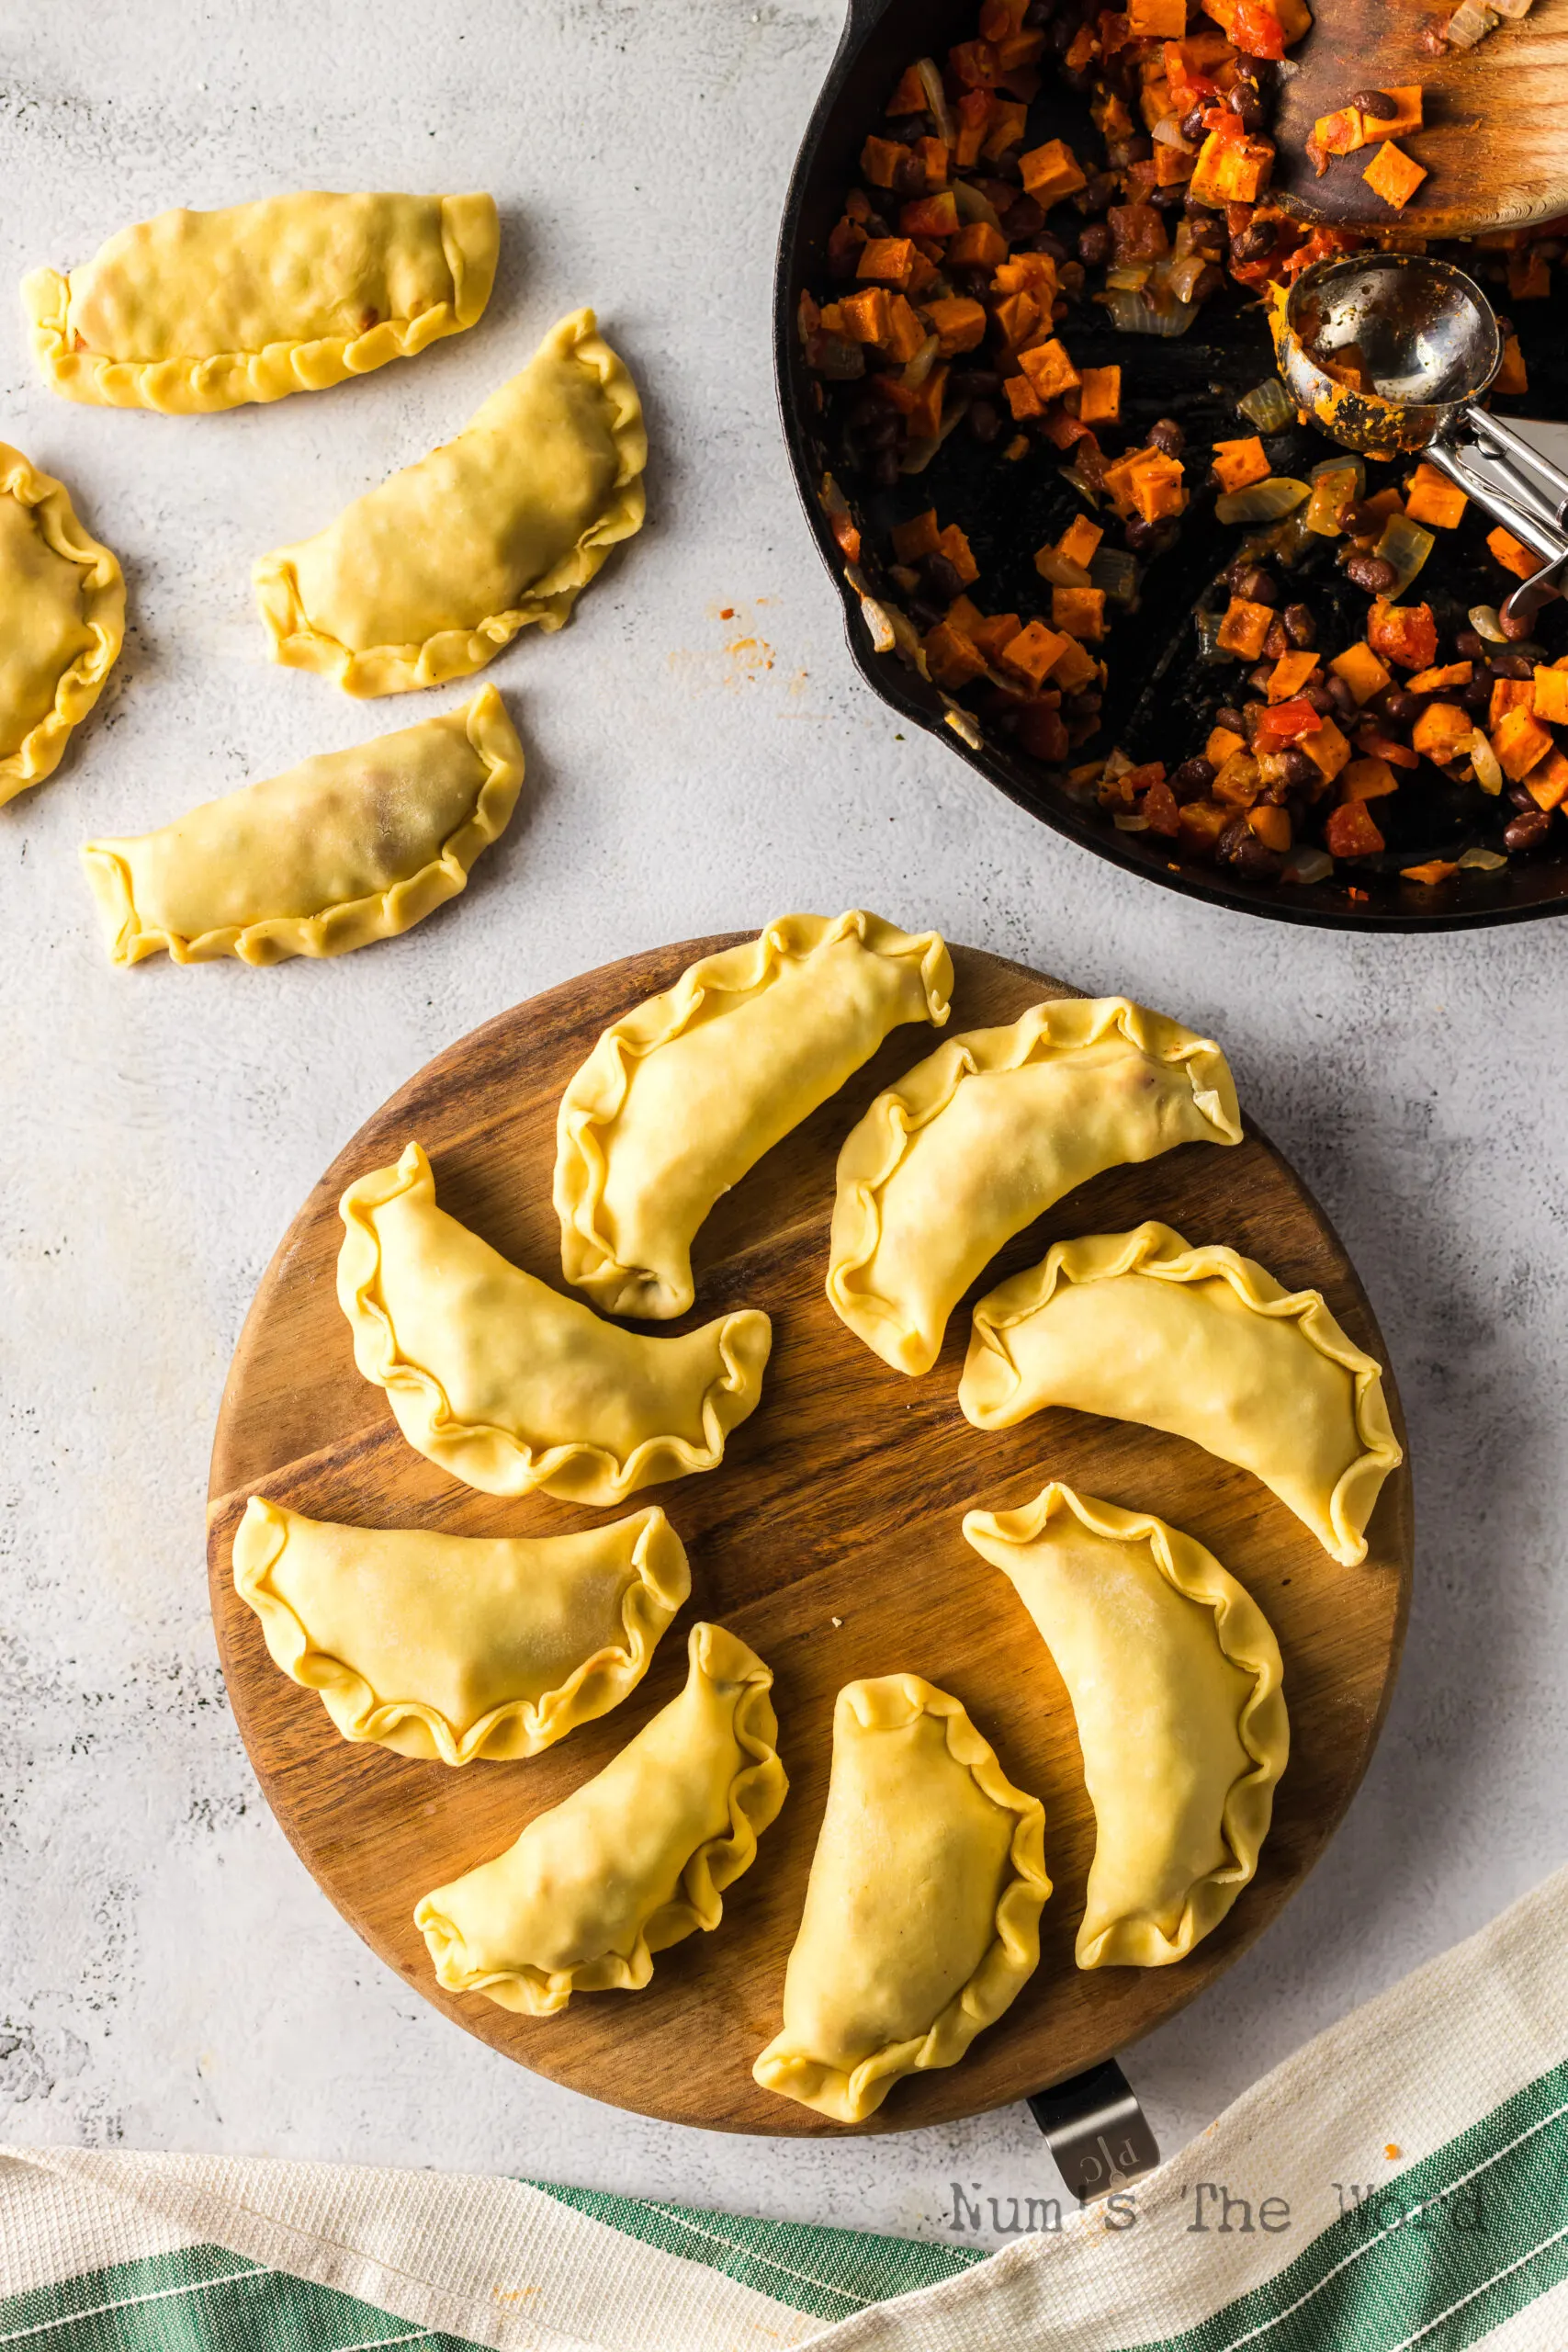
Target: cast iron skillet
pixel 1157 693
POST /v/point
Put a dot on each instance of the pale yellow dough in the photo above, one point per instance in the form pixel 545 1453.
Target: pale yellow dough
pixel 510 1386
pixel 985 1134
pixel 61 622
pixel 193 312
pixel 1204 1344
pixel 1174 1676
pixel 428 576
pixel 922 1912
pixel 458 1647
pixel 682 1097
pixel 631 1863
pixel 345 849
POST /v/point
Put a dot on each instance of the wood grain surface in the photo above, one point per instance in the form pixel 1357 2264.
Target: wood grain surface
pixel 828 1538
pixel 1494 144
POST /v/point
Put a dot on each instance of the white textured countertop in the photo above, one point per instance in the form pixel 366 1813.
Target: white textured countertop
pixel 169 1974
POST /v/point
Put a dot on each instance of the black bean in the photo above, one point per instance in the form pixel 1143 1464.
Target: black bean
pixel 1257 680
pixel 1528 830
pixel 1514 625
pixel 1206 235
pixel 910 176
pixel 1168 199
pixel 1255 241
pixel 1026 217
pixel 1191 780
pixel 1276 644
pixel 1084 705
pixel 1097 192
pixel 1469 646
pixel 1359 521
pixel 1229 717
pixel 1207 283
pixel 1400 707
pixel 1241 850
pixel 1345 702
pixel 884 468
pixel 1372 572
pixel 1300 769
pixel 1167 434
pixel 1476 698
pixel 1301 626
pixel 1377 103
pixel 985 421
pixel 1521 795
pixel 1257 586
pixel 1038 13
pixel 1247 105
pixel 1320 699
pixel 1511 665
pixel 981 383
pixel 1193 128
pixel 940 579
pixel 1094 245
pixel 1140 535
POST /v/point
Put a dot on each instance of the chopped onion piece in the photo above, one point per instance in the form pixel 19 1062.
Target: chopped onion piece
pixel 1131 314
pixel 1483 861
pixel 1485 622
pixel 1060 571
pixel 1269 406
pixel 936 98
pixel 1470 23
pixel 1288 540
pixel 1210 651
pixel 918 453
pixel 1184 275
pixel 1488 775
pixel 1406 546
pixel 1307 866
pixel 1514 8
pixel 884 636
pixel 1081 483
pixel 1113 571
pixel 1131 824
pixel 1118 765
pixel 924 360
pixel 1167 129
pixel 1262 501
pixel 974 206
pixel 1132 275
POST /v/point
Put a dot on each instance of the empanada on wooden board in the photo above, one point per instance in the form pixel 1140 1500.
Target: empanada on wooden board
pixel 344 849
pixel 922 1913
pixel 61 622
pixel 987 1133
pixel 507 1385
pixel 429 576
pixel 1175 1680
pixel 681 1097
pixel 634 1861
pixel 194 311
pixel 458 1647
pixel 1204 1343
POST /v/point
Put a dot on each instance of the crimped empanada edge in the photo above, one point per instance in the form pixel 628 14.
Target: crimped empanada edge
pixel 597 1090
pixel 579 1471
pixel 1246 1640
pixel 79 684
pixel 352 923
pixel 887 1703
pixel 877 1147
pixel 660 1583
pixel 297 643
pixel 208 383
pixel 1159 1251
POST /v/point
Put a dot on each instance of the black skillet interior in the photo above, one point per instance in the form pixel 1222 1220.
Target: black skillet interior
pixel 1158 696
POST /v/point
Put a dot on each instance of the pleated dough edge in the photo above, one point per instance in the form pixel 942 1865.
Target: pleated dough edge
pixel 376 1354
pixel 757 1792
pixel 597 1090
pixel 1157 1250
pixel 875 1148
pixel 352 923
pixel 205 386
pixel 298 644
pixel 887 1704
pixel 1246 1640
pixel 518 1727
pixel 78 686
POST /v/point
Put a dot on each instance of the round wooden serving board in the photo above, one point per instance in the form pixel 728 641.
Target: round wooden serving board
pixel 828 1538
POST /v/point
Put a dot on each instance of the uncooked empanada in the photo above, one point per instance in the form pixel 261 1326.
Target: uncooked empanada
pixel 922 1912
pixel 428 576
pixel 507 1385
pixel 193 312
pixel 985 1134
pixel 683 1095
pixel 454 1646
pixel 1203 1343
pixel 348 848
pixel 1174 1676
pixel 61 622
pixel 632 1862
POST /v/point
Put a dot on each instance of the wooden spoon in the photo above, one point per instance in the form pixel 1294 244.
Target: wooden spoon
pixel 1495 144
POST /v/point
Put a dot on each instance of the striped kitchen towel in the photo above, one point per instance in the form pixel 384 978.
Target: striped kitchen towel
pixel 1402 2181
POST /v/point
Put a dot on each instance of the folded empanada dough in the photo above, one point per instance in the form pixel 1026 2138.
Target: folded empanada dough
pixel 633 1860
pixel 454 1646
pixel 1203 1343
pixel 428 576
pixel 61 622
pixel 985 1134
pixel 1174 1675
pixel 348 848
pixel 922 1911
pixel 683 1095
pixel 507 1385
pixel 193 312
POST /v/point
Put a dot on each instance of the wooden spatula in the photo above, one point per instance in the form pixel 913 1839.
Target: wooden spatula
pixel 1495 144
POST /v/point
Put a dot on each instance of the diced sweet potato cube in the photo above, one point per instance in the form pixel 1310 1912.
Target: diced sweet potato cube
pixel 1238 463
pixel 905 332
pixel 1161 809
pixel 1290 675
pixel 957 322
pixel 1007 127
pixel 956 547
pixel 909 97
pixel 1361 670
pixel 1350 832
pixel 1076 668
pixel 1550 696
pixel 925 416
pixel 1367 779
pixel 1050 371
pixel 1520 743
pixel 1271 825
pixel 891 259
pixel 1156 488
pixel 1231 170
pixel 1137 232
pixel 879 161
pixel 1099 401
pixel 1035 653
pixel 1452 673
pixel 1548 781
pixel 1202 822
pixel 1028 274
pixel 1080 50
pixel 1078 612
pixel 1022 397
pixel 1157 19
pixel 919 537
pixel 1326 747
pixel 1079 540
pixel 1407 97
pixel 1435 870
pixel 1052 172
pixel 1512 553
pixel 1403 633
pixel 1432 498
pixel 1173 166
pixel 1017 317
pixel 867 316
pixel 977 247
pixel 965 614
pixel 1042 731
pixel 1393 176
pixel 1337 134
pixel 932 154
pixel 952 658
pixel 1222 742
pixel 1509 694
pixel 929 216
pixel 1244 628
pixel 1529 277
pixel 973 112
pixel 1443 732
pixel 1239 781
pixel 991 635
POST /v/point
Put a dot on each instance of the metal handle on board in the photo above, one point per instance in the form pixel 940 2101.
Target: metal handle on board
pixel 1097 2131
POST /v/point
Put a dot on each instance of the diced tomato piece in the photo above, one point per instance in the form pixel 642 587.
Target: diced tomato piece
pixel 1350 832
pixel 1257 30
pixel 1287 719
pixel 1403 633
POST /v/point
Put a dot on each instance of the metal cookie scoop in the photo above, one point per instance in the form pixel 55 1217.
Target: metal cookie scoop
pixel 1391 352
